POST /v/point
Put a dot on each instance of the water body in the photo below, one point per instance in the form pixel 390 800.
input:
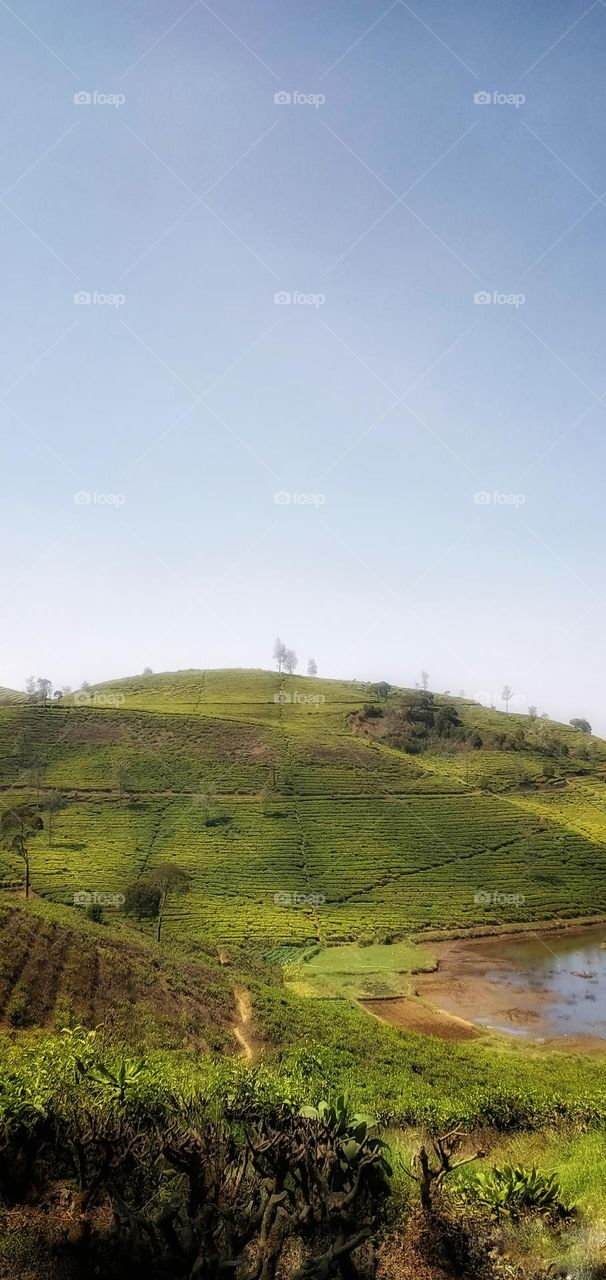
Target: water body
pixel 544 987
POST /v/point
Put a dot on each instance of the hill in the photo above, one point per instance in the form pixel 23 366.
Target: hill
pixel 309 810
pixel 10 696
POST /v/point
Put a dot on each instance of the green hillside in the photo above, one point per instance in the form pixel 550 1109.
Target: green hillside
pixel 58 969
pixel 307 809
pixel 10 696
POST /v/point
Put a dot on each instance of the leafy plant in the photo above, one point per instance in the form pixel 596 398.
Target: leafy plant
pixel 513 1190
pixel 352 1134
pixel 118 1083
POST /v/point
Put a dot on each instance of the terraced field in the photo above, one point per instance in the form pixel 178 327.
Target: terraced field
pixel 293 826
pixel 56 972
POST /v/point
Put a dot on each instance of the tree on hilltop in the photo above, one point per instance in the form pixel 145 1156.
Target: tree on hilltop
pixel 380 690
pixel 581 724
pixel 44 689
pixel 424 680
pixel 290 660
pixel 279 653
pixel 312 667
pixel 507 695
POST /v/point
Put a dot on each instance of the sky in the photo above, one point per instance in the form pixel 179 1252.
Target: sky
pixel 304 335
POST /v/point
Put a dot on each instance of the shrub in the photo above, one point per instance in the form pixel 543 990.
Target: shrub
pixel 512 1191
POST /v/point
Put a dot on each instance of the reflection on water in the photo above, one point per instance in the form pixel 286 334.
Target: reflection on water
pixel 558 984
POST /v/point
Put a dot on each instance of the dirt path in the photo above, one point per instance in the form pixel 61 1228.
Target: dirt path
pixel 242 1024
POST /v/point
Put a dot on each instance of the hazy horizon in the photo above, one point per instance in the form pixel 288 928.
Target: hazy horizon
pixel 306 337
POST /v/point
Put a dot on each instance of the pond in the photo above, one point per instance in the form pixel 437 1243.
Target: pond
pixel 548 986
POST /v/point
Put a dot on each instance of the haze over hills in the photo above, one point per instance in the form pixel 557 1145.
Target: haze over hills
pixel 309 810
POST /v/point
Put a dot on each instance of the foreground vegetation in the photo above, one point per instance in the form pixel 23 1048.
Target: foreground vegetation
pixel 170 1164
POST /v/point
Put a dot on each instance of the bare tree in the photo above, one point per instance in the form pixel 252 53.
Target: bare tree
pixel 312 667
pixel 532 711
pixel 424 680
pixel 433 1167
pixel 279 653
pixel 507 695
pixel 30 688
pixel 290 660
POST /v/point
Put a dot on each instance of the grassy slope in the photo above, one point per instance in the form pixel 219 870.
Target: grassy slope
pixel 58 969
pixel 390 842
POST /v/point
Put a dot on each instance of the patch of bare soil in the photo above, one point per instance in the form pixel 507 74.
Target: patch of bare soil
pixel 412 1016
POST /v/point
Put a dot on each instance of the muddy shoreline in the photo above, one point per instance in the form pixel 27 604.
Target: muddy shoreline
pixel 480 989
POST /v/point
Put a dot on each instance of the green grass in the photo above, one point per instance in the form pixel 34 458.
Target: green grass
pixel 359 971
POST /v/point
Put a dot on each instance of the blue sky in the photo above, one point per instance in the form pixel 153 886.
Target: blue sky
pixel 145 432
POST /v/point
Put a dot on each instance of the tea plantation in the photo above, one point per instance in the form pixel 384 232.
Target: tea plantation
pixel 296 821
